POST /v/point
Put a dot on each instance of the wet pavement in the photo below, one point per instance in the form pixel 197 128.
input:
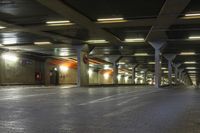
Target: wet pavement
pixel 32 109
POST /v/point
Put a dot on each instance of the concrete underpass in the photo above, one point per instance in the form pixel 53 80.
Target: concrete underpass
pixel 99 66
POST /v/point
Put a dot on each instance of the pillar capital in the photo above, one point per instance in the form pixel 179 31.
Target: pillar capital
pixel 177 65
pixel 170 57
pixel 157 45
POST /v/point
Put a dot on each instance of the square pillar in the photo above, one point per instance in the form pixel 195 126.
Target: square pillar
pixel 133 73
pixel 176 66
pixel 170 58
pixel 115 73
pixel 82 65
pixel 158 46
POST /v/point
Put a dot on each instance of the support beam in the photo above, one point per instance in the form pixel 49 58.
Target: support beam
pixel 158 46
pixel 170 58
pixel 115 73
pixel 83 65
pixel 68 12
pixel 167 16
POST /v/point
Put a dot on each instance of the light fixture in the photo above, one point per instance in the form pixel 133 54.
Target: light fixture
pixel 126 79
pixel 191 68
pixel 151 63
pixel 106 66
pixel 192 14
pixel 141 54
pixel 64 68
pixel 191 71
pixel 90 72
pixel 110 20
pixel 163 68
pixel 59 23
pixel 187 53
pixel 42 43
pixel 134 40
pixel 165 71
pixel 2 27
pixel 121 63
pixel 106 76
pixel 9 41
pixel 96 41
pixel 190 62
pixel 10 57
pixel 194 37
pixel 119 77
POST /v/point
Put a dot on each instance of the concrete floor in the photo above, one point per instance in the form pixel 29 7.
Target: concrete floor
pixel 99 110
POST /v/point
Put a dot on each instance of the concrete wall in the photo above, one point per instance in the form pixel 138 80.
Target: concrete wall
pixel 19 72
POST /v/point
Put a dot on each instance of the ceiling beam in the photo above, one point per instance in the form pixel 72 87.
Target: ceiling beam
pixel 18 28
pixel 76 17
pixel 167 16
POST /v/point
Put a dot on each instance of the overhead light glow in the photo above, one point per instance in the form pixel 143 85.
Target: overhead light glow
pixel 10 57
pixel 192 14
pixel 7 41
pixel 121 63
pixel 119 77
pixel 194 37
pixel 191 68
pixel 187 53
pixel 165 71
pixel 190 62
pixel 151 63
pixel 191 71
pixel 106 76
pixel 96 41
pixel 58 22
pixel 42 43
pixel 106 66
pixel 163 68
pixel 64 68
pixel 134 40
pixel 119 19
pixel 141 54
pixel 90 72
pixel 2 27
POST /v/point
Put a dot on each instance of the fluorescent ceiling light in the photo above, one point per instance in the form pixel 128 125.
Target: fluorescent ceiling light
pixel 96 41
pixel 191 68
pixel 163 68
pixel 134 40
pixel 165 71
pixel 141 54
pixel 191 71
pixel 190 62
pixel 64 24
pixel 151 63
pixel 58 22
pixel 121 63
pixel 2 27
pixel 7 41
pixel 109 19
pixel 194 37
pixel 192 14
pixel 187 53
pixel 42 43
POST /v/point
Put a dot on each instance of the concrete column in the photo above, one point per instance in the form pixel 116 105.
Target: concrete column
pixel 170 58
pixel 145 76
pixel 180 74
pixel 158 47
pixel 176 66
pixel 115 73
pixel 133 73
pixel 83 65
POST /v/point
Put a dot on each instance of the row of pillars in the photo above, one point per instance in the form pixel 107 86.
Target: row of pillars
pixel 83 66
pixel 181 78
